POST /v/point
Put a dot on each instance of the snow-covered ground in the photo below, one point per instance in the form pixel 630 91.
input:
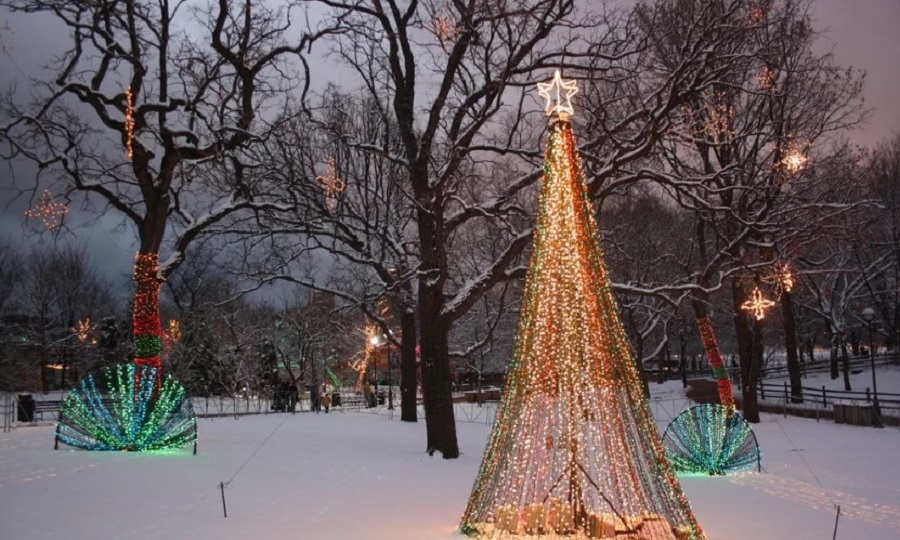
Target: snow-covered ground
pixel 363 476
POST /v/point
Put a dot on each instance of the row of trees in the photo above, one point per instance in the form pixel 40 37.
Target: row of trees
pixel 716 118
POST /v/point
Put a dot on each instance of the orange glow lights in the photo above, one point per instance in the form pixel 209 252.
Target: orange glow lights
pixel 129 123
pixel 757 305
pixel 331 185
pixel 49 211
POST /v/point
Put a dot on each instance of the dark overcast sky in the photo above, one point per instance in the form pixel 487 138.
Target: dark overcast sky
pixel 861 33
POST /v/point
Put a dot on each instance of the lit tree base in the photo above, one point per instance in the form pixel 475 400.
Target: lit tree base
pixel 544 524
pixel 127 408
pixel 711 439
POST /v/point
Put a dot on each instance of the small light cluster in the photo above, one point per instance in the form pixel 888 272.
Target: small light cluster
pixel 174 331
pixel 49 211
pixel 574 449
pixel 793 159
pixel 719 118
pixel 711 439
pixel 120 409
pixel 782 278
pixel 720 372
pixel 758 11
pixel 83 330
pixel 331 185
pixel 765 80
pixel 129 123
pixel 445 27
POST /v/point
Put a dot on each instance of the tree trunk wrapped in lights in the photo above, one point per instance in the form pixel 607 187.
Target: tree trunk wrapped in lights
pixel 719 370
pixel 574 450
pixel 132 407
pixel 147 327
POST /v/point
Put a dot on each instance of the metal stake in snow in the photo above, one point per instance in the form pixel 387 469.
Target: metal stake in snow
pixel 222 487
pixel 837 516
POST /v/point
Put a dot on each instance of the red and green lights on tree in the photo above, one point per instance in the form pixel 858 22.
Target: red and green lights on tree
pixel 132 406
pixel 147 325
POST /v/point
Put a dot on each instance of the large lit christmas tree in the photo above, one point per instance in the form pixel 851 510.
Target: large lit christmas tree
pixel 574 451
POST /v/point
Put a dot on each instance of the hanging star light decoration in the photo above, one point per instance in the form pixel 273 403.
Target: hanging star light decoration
pixel 129 122
pixel 330 183
pixel 444 26
pixel 558 94
pixel 49 211
pixel 757 305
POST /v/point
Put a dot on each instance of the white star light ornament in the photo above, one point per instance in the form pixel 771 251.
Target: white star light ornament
pixel 559 95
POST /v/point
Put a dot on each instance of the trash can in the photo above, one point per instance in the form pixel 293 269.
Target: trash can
pixel 336 399
pixel 25 409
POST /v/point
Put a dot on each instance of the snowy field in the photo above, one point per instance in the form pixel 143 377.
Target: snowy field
pixel 363 476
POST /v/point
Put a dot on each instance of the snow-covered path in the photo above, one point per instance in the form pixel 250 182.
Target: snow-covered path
pixel 358 476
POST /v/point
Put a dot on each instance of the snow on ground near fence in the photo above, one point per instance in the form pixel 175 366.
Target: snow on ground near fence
pixel 358 476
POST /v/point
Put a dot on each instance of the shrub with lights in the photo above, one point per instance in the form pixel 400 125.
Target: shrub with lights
pixel 714 438
pixel 711 439
pixel 574 451
pixel 132 406
pixel 127 407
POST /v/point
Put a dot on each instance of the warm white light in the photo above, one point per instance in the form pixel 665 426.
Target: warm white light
pixel 757 305
pixel 557 102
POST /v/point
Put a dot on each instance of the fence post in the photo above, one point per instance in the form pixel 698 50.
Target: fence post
pixel 824 397
pixel 785 399
pixel 762 391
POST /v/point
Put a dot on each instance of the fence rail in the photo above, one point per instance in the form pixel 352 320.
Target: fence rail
pixel 827 403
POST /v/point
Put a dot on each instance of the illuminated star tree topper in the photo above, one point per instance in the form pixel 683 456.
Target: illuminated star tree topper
pixel 558 94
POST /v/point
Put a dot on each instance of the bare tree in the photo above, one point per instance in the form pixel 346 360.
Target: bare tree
pixel 882 235
pixel 740 159
pixel 457 88
pixel 153 111
pixel 58 302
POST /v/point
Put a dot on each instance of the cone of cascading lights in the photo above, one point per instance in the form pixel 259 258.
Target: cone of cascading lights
pixel 574 452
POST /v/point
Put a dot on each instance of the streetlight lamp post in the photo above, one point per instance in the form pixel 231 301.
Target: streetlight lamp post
pixel 390 381
pixel 375 341
pixel 868 314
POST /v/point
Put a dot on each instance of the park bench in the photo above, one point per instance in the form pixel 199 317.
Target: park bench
pixel 50 405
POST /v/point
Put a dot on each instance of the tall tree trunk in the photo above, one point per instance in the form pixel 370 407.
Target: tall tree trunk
pixel 408 368
pixel 845 364
pixel 638 351
pixel 440 424
pixel 834 341
pixel 790 344
pixel 437 385
pixel 749 368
